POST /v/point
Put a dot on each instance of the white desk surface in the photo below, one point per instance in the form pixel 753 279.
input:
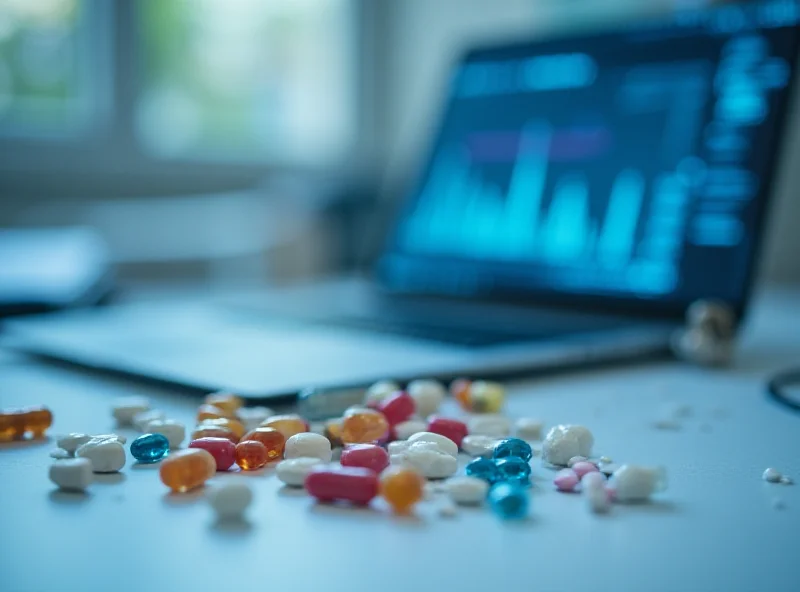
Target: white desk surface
pixel 715 529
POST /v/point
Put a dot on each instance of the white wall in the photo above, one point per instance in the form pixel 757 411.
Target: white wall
pixel 423 37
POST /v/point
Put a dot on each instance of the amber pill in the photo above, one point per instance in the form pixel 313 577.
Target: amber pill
pixel 207 411
pixel 461 389
pixel 186 469
pixel 364 428
pixel 402 488
pixel 271 438
pixel 37 420
pixel 233 425
pixel 12 424
pixel 251 455
pixel 333 431
pixel 207 431
pixel 288 425
pixel 228 402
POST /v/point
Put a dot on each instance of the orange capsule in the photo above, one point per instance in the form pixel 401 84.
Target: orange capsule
pixel 333 431
pixel 12 424
pixel 186 469
pixel 402 488
pixel 288 425
pixel 206 431
pixel 206 411
pixel 37 420
pixel 271 438
pixel 228 402
pixel 233 425
pixel 363 428
pixel 251 455
pixel 461 391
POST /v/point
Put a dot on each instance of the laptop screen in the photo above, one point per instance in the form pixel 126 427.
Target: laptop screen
pixel 630 166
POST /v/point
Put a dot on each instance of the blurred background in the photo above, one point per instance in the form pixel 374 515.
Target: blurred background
pixel 248 140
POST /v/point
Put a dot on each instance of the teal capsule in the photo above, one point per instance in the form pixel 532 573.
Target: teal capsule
pixel 509 501
pixel 149 448
pixel 513 469
pixel 513 447
pixel 484 468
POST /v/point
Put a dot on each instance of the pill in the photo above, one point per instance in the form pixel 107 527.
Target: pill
pixel 207 431
pixel 397 407
pixel 222 449
pixel 466 490
pixel 513 468
pixel 149 448
pixel 633 483
pixel 333 431
pixel 230 500
pixel 379 391
pixel 206 411
pixel 397 447
pixel 566 480
pixel 443 443
pixel 427 459
pixel 565 441
pixel 593 479
pixel 576 459
pixel 368 456
pixel 460 389
pixel 142 419
pixel 71 442
pixel 583 467
pixel 293 472
pixel 353 409
pixel 74 474
pixel 251 455
pixel 449 428
pixel 478 445
pixel 60 454
pixel 125 409
pixel 12 424
pixel 272 439
pixel 97 438
pixel 512 447
pixel 509 500
pixel 288 425
pixel 308 444
pixel 16 422
pixel 497 426
pixel 772 475
pixel 228 402
pixel 402 488
pixel 106 456
pixel 787 480
pixel 187 469
pixel 252 417
pixel 329 483
pixel 448 510
pixel 405 429
pixel 485 469
pixel 174 431
pixel 486 396
pixel 234 425
pixel 528 428
pixel 594 491
pixel 364 428
pixel 428 395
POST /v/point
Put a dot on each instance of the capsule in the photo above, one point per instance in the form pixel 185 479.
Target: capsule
pixel 353 484
pixel 222 449
pixel 205 431
pixel 251 455
pixel 228 402
pixel 271 438
pixel 368 456
pixel 288 425
pixel 234 425
pixel 486 397
pixel 149 448
pixel 186 469
pixel 397 407
pixel 207 411
pixel 364 428
pixel 461 390
pixel 449 428
pixel 14 423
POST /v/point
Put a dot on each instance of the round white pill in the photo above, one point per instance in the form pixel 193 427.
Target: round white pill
pixel 477 445
pixel 566 441
pixel 405 429
pixel 173 431
pixel 308 444
pixel 140 420
pixel 634 483
pixel 107 456
pixel 379 391
pixel 428 395
pixel 444 444
pixel 490 424
pixel 252 417
pixel 466 490
pixel 125 409
pixel 71 442
pixel 772 475
pixel 430 461
pixel 528 429
pixel 74 474
pixel 230 500
pixel 294 471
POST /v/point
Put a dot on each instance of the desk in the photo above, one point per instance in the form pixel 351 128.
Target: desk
pixel 716 528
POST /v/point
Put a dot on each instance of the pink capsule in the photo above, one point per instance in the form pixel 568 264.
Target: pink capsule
pixel 222 449
pixel 397 407
pixel 449 428
pixel 566 480
pixel 584 467
pixel 352 484
pixel 367 456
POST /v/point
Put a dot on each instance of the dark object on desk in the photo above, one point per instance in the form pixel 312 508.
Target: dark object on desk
pixel 44 270
pixel 580 194
pixel 784 388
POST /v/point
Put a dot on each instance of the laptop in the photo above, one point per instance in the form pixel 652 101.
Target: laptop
pixel 579 194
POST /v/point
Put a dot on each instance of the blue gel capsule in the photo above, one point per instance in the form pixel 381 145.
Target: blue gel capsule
pixel 509 501
pixel 486 469
pixel 149 448
pixel 514 469
pixel 513 447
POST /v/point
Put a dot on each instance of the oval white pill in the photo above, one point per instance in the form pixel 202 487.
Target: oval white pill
pixel 490 424
pixel 633 483
pixel 293 471
pixel 443 443
pixel 107 456
pixel 397 447
pixel 230 500
pixel 428 395
pixel 528 429
pixel 173 431
pixel 466 490
pixel 71 442
pixel 308 444
pixel 74 474
pixel 566 441
pixel 140 420
pixel 478 445
pixel 379 391
pixel 405 429
pixel 430 462
pixel 97 439
pixel 125 409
